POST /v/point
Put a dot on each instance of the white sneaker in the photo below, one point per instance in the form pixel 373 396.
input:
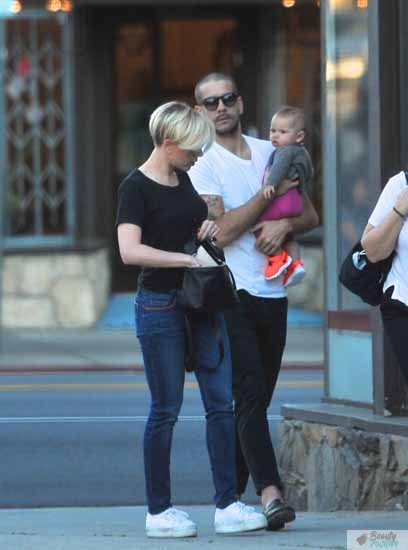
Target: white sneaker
pixel 171 523
pixel 237 518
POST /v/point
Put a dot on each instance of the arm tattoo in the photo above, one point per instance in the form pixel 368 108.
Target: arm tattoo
pixel 215 206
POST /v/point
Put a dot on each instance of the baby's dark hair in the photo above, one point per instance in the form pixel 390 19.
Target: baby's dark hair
pixel 295 114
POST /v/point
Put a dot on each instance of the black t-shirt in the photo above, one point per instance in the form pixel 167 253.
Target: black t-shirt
pixel 168 216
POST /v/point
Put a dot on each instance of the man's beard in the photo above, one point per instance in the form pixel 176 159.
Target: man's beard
pixel 228 131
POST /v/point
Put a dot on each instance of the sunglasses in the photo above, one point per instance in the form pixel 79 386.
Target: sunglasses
pixel 211 103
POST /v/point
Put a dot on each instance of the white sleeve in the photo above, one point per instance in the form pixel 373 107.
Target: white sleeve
pixel 387 199
pixel 204 177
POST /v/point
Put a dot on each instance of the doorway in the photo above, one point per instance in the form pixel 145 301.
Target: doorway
pixel 160 54
pixel 158 60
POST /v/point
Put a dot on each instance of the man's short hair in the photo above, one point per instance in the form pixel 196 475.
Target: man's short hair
pixel 181 124
pixel 211 77
pixel 295 114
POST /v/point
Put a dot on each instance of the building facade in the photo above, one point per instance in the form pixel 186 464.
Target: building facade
pixel 76 90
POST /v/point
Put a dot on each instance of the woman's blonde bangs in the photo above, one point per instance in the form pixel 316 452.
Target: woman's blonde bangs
pixel 200 134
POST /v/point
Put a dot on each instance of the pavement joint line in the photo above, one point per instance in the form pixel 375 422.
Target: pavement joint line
pixel 134 386
pixel 84 419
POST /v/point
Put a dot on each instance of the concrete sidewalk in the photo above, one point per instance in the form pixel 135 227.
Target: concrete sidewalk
pixel 98 349
pixel 123 528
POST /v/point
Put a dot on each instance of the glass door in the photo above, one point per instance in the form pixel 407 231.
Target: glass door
pixel 159 60
pixel 349 197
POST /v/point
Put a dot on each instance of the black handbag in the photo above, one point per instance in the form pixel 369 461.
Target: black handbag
pixel 362 277
pixel 205 291
pixel 208 289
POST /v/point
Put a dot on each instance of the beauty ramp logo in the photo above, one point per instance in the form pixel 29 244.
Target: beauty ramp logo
pixel 362 539
pixel 383 539
pixel 377 539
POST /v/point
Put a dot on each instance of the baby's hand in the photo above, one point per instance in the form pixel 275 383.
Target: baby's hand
pixel 268 192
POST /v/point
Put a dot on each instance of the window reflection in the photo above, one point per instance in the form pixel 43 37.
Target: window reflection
pixel 346 74
pixel 135 53
pixel 154 65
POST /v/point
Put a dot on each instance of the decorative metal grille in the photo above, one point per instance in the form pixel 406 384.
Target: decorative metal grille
pixel 34 91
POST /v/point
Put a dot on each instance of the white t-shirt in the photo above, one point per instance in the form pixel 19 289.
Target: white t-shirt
pixel 398 274
pixel 235 180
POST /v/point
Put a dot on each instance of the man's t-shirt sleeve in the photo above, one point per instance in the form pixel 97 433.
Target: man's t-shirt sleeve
pixel 204 177
pixel 131 203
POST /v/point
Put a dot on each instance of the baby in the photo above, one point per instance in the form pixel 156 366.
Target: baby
pixel 290 160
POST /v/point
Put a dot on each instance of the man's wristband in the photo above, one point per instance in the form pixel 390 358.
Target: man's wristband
pixel 400 214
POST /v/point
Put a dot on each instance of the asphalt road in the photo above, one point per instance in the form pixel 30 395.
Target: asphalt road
pixel 76 439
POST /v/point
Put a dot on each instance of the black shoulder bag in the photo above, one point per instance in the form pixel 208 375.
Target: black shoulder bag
pixel 362 277
pixel 206 291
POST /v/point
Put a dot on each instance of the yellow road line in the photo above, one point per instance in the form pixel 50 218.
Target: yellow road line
pixel 134 386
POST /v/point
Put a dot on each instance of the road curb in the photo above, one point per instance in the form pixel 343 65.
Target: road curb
pixel 26 369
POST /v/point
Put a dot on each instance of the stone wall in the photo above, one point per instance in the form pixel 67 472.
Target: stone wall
pixel 61 290
pixel 309 294
pixel 327 468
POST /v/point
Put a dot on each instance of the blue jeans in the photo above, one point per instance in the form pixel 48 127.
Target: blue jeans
pixel 160 327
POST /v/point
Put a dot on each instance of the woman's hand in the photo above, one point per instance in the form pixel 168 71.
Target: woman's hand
pixel 192 262
pixel 402 202
pixel 208 230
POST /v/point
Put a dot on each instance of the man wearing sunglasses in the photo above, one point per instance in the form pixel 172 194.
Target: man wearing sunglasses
pixel 229 178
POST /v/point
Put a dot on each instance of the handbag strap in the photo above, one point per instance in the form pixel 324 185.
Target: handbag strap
pixel 189 319
pixel 234 284
pixel 189 355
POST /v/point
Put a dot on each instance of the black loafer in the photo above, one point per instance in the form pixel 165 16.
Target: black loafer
pixel 278 513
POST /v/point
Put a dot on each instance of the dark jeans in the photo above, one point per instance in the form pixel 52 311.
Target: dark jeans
pixel 257 331
pixel 161 331
pixel 395 320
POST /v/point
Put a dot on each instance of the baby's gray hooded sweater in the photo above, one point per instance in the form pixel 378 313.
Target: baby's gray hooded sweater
pixel 290 162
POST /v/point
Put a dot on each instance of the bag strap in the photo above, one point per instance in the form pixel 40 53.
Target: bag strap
pixel 406 177
pixel 189 325
pixel 234 284
pixel 189 356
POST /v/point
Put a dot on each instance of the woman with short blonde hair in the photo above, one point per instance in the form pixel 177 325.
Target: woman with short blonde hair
pixel 159 213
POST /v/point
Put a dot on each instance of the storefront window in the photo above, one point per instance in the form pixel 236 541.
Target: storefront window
pixel 34 130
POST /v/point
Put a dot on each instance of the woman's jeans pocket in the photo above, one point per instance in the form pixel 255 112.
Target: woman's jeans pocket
pixel 157 312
